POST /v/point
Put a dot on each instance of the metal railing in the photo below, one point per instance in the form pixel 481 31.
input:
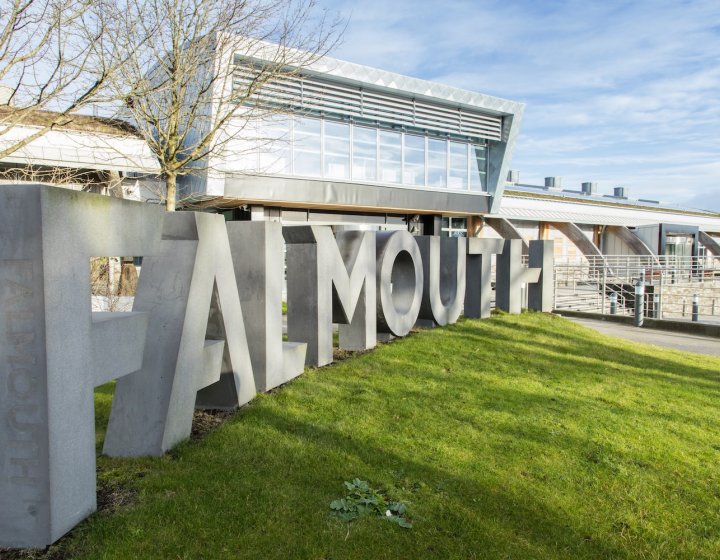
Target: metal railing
pixel 675 287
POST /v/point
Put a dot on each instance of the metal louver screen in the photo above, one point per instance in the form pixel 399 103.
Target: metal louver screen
pixel 314 94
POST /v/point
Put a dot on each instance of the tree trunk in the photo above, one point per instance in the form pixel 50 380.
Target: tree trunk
pixel 171 180
pixel 128 278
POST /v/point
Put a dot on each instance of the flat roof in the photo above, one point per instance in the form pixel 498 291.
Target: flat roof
pixel 528 203
pixel 602 199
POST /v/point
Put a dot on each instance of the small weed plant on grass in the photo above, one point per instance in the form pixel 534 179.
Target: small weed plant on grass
pixel 363 501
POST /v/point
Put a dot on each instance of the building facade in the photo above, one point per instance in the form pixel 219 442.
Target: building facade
pixel 353 145
pixel 356 141
pixel 85 153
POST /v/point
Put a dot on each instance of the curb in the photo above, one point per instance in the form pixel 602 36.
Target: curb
pixel 704 329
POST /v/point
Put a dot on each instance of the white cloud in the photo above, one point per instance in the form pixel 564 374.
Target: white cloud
pixel 624 93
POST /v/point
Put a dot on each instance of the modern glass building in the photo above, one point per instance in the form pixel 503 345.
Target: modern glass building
pixel 344 144
pixel 348 143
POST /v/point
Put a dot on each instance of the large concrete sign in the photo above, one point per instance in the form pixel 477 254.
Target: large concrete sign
pixel 205 330
pixel 190 279
pixel 444 278
pixel 478 276
pixel 257 253
pixel 399 282
pixel 330 280
pixel 54 350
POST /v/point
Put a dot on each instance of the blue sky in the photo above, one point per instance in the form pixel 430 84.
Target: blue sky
pixel 622 93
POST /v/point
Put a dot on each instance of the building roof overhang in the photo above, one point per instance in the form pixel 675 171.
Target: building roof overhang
pixel 365 76
pixel 535 207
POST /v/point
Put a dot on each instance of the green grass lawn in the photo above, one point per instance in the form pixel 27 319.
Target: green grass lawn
pixel 515 437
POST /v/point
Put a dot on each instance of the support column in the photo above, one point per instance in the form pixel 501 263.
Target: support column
pixel 541 294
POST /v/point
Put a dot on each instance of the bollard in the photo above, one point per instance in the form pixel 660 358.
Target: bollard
pixel 656 306
pixel 695 308
pixel 613 303
pixel 639 301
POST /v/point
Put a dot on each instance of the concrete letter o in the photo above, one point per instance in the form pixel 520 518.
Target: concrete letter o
pixel 399 282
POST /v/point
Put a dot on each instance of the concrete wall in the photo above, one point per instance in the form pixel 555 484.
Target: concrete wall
pixel 677 299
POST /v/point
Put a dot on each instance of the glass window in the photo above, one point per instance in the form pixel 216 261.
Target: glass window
pixel 306 147
pixel 437 163
pixel 316 147
pixel 414 166
pixel 458 227
pixel 453 227
pixel 478 168
pixel 364 153
pixel 274 135
pixel 390 156
pixel 458 166
pixel 337 150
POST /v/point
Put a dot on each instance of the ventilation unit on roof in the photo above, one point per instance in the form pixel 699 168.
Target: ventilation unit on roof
pixel 620 192
pixel 553 182
pixel 513 177
pixel 589 188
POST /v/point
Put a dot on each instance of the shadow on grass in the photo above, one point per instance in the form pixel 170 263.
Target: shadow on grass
pixel 504 423
pixel 523 517
pixel 574 340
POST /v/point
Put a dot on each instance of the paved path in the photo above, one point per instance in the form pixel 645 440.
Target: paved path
pixel 668 339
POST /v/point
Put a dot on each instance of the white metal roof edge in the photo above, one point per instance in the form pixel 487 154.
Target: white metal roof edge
pixel 527 208
pixel 401 84
pixel 358 74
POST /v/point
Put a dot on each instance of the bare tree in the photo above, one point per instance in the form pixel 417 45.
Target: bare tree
pixel 50 66
pixel 181 91
pixel 113 281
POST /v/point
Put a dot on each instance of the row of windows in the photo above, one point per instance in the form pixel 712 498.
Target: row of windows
pixel 336 150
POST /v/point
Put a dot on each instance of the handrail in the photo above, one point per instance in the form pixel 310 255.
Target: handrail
pixel 670 283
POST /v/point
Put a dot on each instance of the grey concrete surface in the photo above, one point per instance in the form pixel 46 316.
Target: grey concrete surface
pixel 357 249
pixel 190 291
pixel 257 252
pixel 330 280
pixel 399 282
pixel 676 340
pixel 54 350
pixel 478 285
pixel 443 277
pixel 511 275
pixel 541 294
